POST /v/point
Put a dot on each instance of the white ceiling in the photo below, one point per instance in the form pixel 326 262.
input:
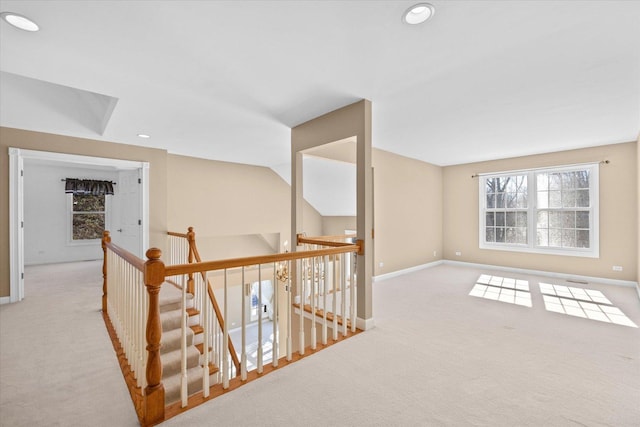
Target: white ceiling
pixel 227 80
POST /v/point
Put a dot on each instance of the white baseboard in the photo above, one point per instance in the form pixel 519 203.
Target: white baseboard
pixel 365 324
pixel 564 276
pixel 5 300
pixel 406 270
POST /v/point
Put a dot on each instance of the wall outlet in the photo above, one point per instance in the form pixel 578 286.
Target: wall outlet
pixel 458 253
pixel 617 268
pixel 381 264
pixel 435 253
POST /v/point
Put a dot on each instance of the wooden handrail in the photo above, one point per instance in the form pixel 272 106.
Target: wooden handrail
pixel 105 240
pixel 194 255
pixel 150 404
pixel 173 233
pixel 318 241
pixel 124 254
pixel 328 238
pixel 174 270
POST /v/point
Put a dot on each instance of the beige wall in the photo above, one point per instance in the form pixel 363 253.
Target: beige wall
pixel 65 144
pixel 351 122
pixel 230 199
pixel 335 225
pixel 638 211
pixel 407 212
pixel 618 213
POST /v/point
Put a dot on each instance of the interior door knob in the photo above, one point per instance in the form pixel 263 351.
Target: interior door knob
pixel 119 230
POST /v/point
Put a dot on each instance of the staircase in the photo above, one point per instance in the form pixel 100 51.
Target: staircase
pixel 170 316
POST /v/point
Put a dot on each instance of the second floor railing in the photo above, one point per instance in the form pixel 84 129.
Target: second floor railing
pixel 281 302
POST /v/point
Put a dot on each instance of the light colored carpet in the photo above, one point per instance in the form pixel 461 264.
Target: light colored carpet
pixel 57 364
pixel 436 357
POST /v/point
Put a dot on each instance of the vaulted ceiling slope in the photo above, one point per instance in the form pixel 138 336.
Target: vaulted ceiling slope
pixel 227 80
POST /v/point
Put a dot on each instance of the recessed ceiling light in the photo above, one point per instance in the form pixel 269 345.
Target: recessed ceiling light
pixel 19 21
pixel 418 13
pixel 143 135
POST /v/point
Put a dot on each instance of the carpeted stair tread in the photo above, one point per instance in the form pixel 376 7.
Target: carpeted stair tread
pixel 170 297
pixel 172 363
pixel 171 319
pixel 172 385
pixel 171 340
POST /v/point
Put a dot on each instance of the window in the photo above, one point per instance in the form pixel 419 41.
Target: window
pixel 552 211
pixel 88 216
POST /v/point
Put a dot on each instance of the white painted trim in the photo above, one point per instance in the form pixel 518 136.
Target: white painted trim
pixel 563 276
pixel 16 203
pixel 406 270
pixel 365 324
pixel 144 171
pixel 531 246
pixel 5 300
pixel 79 159
pixel 16 232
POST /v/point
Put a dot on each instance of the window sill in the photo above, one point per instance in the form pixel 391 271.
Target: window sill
pixel 584 253
pixel 91 242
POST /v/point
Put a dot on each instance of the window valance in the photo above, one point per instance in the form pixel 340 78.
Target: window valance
pixel 88 186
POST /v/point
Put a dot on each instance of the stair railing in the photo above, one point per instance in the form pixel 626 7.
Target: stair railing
pixel 131 311
pixel 342 289
pixel 184 250
pixel 232 275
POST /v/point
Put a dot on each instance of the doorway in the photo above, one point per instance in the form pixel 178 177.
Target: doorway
pixel 128 172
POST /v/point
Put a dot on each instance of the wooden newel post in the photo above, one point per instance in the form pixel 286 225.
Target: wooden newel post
pixel 106 238
pixel 191 238
pixel 154 392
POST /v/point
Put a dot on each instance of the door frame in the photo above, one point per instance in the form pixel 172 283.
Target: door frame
pixel 16 205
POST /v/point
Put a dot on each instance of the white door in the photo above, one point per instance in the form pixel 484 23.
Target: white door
pixel 127 207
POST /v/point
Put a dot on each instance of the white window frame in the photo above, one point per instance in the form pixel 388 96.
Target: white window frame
pixel 532 210
pixel 107 221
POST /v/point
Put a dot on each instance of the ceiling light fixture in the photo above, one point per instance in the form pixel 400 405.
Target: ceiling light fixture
pixel 19 21
pixel 418 13
pixel 143 135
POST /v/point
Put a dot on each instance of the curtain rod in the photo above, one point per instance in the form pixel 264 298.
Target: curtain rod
pixel 112 182
pixel 601 162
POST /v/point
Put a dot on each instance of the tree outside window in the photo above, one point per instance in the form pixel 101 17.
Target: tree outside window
pixel 551 210
pixel 88 216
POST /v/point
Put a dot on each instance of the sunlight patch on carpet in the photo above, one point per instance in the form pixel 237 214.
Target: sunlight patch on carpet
pixel 504 289
pixel 585 303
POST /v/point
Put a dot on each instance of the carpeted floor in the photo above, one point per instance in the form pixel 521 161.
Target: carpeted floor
pixel 437 357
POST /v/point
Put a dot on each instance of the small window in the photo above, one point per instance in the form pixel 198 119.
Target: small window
pixel 88 216
pixel 552 211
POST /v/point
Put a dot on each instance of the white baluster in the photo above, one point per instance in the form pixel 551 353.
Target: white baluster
pixel 225 338
pixel 275 334
pixel 313 285
pixel 343 295
pixel 334 285
pixel 301 279
pixel 289 341
pixel 353 291
pixel 324 300
pixel 260 351
pixel 183 348
pixel 243 358
pixel 205 337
